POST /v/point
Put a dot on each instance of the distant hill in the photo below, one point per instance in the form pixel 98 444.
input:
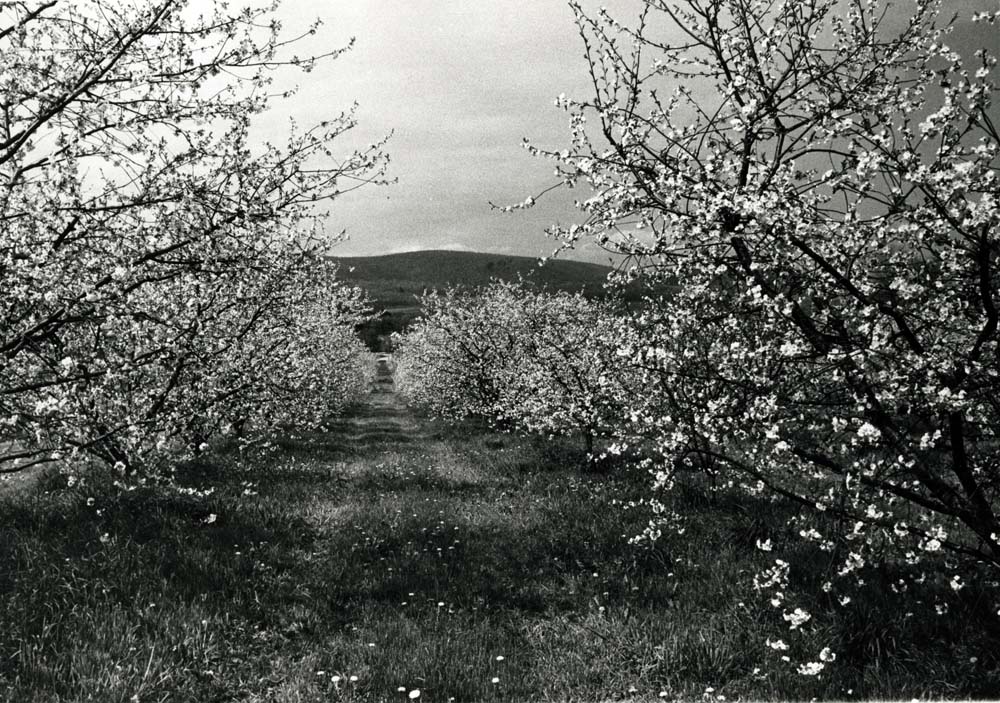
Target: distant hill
pixel 394 281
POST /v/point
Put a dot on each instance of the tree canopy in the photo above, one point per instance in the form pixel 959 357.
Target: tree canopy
pixel 150 249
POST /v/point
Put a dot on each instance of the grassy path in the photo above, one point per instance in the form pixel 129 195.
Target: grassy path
pixel 384 553
pixel 456 568
pixel 388 554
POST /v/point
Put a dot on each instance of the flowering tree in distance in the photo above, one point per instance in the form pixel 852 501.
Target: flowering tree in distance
pixel 533 361
pixel 451 361
pixel 148 250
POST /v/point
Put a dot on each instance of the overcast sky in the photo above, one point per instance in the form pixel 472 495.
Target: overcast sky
pixel 459 83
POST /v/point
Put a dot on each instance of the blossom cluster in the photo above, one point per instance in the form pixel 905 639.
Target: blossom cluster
pixel 162 278
pixel 825 209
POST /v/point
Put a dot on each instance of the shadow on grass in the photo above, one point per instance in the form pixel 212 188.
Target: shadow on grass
pixel 196 584
pixel 352 443
pixel 104 591
pixel 188 543
pixel 442 558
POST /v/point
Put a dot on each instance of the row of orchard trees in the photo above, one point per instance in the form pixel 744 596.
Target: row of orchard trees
pixel 160 277
pixel 521 359
pixel 819 182
pixel 828 211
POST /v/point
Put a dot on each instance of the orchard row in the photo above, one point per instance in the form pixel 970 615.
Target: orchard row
pixel 811 192
pixel 161 280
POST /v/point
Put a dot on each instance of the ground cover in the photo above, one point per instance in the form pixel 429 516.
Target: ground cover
pixel 389 554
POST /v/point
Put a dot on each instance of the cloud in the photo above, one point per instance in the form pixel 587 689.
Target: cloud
pixel 408 247
pixel 460 84
pixel 405 248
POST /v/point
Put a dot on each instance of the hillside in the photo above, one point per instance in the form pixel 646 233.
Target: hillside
pixel 395 281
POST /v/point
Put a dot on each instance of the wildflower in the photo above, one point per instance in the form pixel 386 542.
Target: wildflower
pixel 335 678
pixel 495 679
pixel 414 694
pixel 811 669
pixel 853 562
pixel 353 679
pixel 826 655
pixel 797 617
pixel 499 657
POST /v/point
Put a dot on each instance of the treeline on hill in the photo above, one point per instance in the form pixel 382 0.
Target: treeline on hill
pixel 395 282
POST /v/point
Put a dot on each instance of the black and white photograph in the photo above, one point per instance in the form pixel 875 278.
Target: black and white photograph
pixel 458 351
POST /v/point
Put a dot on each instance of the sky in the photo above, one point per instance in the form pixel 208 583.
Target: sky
pixel 458 84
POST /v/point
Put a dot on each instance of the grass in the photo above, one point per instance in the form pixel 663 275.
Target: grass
pixel 412 556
